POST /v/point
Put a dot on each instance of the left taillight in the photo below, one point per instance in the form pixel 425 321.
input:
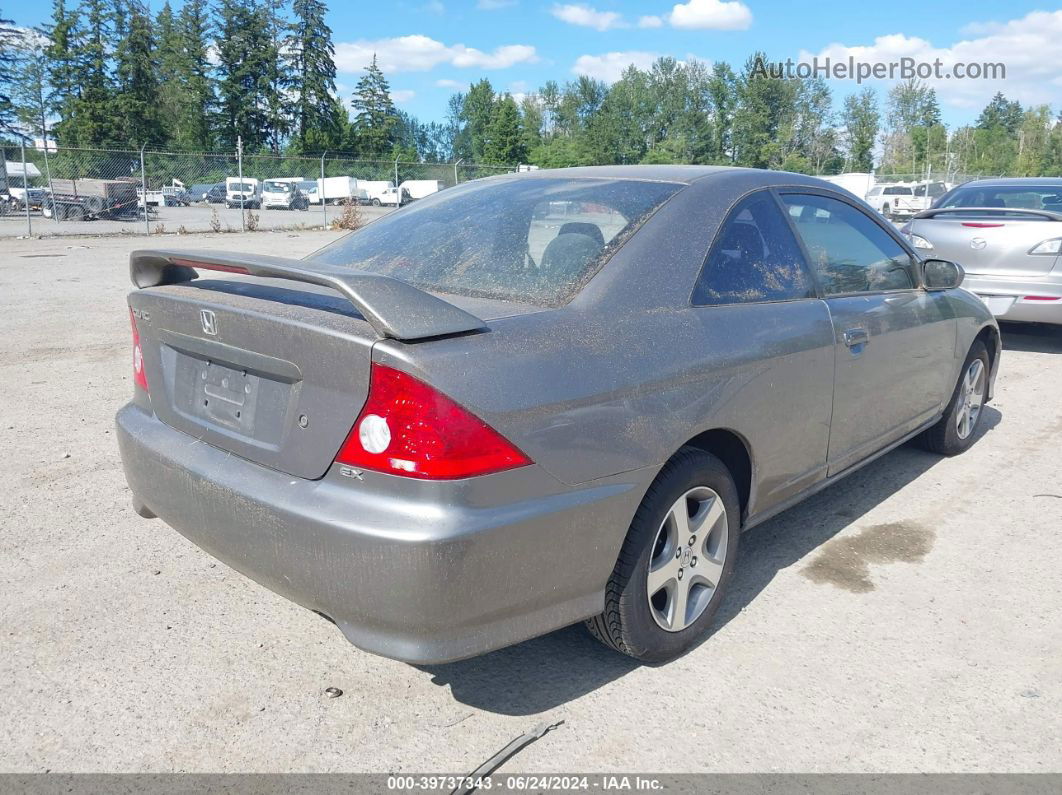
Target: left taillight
pixel 139 376
pixel 408 428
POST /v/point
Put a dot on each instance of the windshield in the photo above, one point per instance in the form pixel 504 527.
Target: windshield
pixel 269 186
pixel 1019 197
pixel 308 187
pixel 241 186
pixel 518 239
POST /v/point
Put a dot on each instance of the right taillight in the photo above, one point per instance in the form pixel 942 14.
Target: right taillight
pixel 1050 247
pixel 139 376
pixel 408 428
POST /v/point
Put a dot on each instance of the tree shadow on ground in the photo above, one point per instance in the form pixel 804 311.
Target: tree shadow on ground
pixel 546 672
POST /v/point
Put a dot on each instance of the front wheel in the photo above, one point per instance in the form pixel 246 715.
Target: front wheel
pixel 956 430
pixel 675 563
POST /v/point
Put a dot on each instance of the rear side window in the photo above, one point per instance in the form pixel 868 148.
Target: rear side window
pixel 754 258
pixel 849 252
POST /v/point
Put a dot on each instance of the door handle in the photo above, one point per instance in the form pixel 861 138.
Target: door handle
pixel 856 336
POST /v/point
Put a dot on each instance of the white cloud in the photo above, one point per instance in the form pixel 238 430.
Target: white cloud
pixel 650 22
pixel 418 53
pixel 609 67
pixel 448 83
pixel 435 7
pixel 588 17
pixel 494 5
pixel 402 95
pixel 711 15
pixel 1028 47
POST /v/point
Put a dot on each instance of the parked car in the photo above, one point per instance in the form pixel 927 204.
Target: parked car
pixel 1007 235
pixel 540 398
pixel 212 192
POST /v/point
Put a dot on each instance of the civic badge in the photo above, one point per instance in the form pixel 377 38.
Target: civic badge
pixel 209 321
pixel 978 243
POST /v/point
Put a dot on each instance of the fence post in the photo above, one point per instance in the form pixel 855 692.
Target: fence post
pixel 25 188
pixel 321 191
pixel 143 188
pixel 398 193
pixel 239 168
pixel 48 173
pixel 457 181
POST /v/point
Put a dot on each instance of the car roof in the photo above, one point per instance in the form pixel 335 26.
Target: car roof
pixel 671 173
pixel 1012 182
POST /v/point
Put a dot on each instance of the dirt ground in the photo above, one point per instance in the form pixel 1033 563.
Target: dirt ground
pixel 908 619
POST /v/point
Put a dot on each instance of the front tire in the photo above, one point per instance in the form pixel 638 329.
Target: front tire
pixel 955 432
pixel 676 562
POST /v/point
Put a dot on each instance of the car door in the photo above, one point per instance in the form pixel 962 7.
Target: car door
pixel 771 341
pixel 893 339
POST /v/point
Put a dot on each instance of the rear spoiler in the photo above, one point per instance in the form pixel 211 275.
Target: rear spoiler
pixel 1047 214
pixel 394 308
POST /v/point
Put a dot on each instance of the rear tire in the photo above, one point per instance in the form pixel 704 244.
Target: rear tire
pixel 658 555
pixel 956 431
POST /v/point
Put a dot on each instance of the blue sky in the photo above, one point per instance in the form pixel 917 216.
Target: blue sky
pixel 430 48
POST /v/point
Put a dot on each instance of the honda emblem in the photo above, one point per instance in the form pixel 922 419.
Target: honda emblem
pixel 209 321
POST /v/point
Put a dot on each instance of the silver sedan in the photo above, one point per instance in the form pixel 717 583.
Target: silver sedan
pixel 1007 235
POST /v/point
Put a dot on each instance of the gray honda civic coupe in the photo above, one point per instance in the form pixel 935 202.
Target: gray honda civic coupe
pixel 539 399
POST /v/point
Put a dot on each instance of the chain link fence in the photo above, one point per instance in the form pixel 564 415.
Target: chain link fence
pixel 96 191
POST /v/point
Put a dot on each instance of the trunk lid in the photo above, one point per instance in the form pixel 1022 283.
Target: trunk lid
pixel 271 374
pixel 989 245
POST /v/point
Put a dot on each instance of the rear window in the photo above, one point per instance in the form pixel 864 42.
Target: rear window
pixel 897 191
pixel 528 239
pixel 1018 197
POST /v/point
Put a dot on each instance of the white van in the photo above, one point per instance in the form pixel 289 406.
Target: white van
pixel 245 192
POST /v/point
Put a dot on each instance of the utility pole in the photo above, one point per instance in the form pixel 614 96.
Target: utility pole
pixel 25 187
pixel 239 172
pixel 321 191
pixel 143 191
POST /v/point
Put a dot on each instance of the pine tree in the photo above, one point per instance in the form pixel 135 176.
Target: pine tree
pixel 243 76
pixel 63 71
pixel 504 142
pixel 477 110
pixel 196 76
pixel 9 42
pixel 314 78
pixel 93 124
pixel 136 102
pixel 170 59
pixel 275 81
pixel 30 85
pixel 375 117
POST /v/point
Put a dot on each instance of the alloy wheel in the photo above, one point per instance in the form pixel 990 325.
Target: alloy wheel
pixel 687 560
pixel 971 398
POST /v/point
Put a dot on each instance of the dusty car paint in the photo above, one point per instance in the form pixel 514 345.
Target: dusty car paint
pixel 599 393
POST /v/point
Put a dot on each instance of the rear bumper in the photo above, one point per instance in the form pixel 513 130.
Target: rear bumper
pixel 425 578
pixel 1008 296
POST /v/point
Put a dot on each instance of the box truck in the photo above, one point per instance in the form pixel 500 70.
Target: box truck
pixel 419 188
pixel 282 193
pixel 336 190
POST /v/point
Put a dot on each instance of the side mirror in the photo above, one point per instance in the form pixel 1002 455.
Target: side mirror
pixel 940 274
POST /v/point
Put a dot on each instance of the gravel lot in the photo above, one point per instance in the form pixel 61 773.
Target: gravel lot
pixel 908 619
